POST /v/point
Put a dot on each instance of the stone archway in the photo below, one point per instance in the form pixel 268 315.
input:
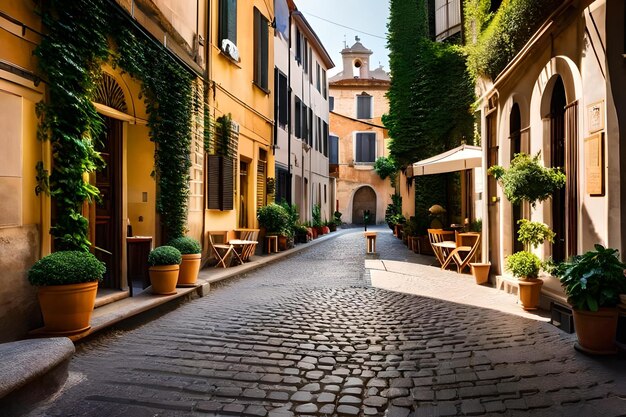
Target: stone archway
pixel 364 199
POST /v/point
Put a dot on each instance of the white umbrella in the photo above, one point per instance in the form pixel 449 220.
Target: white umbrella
pixel 457 159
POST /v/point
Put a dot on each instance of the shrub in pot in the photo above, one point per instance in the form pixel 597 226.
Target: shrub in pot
pixel 190 250
pixel 525 266
pixel 316 215
pixel 593 282
pixel 68 284
pixel 275 219
pixel 164 264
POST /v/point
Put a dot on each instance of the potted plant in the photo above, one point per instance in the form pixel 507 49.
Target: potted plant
pixel 526 265
pixel 317 219
pixel 68 283
pixel 190 250
pixel 274 218
pixel 480 270
pixel 164 264
pixel 593 282
pixel 301 233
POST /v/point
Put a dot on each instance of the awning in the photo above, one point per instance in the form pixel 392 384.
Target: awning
pixel 457 159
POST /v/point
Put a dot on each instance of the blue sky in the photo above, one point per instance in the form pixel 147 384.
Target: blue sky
pixel 368 16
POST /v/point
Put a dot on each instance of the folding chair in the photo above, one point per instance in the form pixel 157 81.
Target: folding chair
pixel 442 242
pixel 223 251
pixel 462 255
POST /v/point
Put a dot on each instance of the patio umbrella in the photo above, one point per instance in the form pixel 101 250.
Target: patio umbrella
pixel 457 159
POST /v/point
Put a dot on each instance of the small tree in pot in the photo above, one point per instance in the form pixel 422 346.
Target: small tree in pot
pixel 593 282
pixel 68 283
pixel 191 252
pixel 164 264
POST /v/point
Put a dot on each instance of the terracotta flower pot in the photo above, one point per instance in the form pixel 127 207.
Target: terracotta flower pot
pixel 163 279
pixel 189 268
pixel 596 330
pixel 67 309
pixel 480 271
pixel 529 292
pixel 325 230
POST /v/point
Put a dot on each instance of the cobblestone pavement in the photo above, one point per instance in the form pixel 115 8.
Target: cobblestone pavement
pixel 309 335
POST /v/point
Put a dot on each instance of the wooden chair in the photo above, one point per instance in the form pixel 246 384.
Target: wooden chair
pixel 222 250
pixel 442 242
pixel 463 254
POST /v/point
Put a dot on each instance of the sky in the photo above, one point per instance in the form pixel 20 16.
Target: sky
pixel 363 18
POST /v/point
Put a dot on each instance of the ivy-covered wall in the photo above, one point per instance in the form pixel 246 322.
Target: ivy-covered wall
pixel 493 39
pixel 70 56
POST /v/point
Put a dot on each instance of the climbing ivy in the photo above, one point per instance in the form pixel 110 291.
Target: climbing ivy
pixel 70 56
pixel 493 39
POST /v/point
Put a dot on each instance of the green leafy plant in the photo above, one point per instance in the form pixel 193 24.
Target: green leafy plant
pixel 594 279
pixel 476 225
pixel 527 180
pixel 523 265
pixel 275 219
pixel 70 56
pixel 293 215
pixel 186 245
pixel 317 216
pixel 393 209
pixel 164 255
pixel 386 167
pixel 66 267
pixel 532 234
pixel 493 40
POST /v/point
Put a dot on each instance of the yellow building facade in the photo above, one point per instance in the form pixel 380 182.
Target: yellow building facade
pixel 241 54
pixel 127 186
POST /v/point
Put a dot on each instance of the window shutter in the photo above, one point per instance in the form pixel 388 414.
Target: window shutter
pixel 228 21
pixel 372 147
pixel 364 106
pixel 260 184
pixel 334 150
pixel 228 183
pixel 260 49
pixel 359 147
pixel 298 119
pixel 325 139
pixel 311 127
pixel 283 92
pixel 213 182
pixel 331 103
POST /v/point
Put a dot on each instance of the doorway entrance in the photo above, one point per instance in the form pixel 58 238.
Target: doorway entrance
pixel 108 230
pixel 364 199
pixel 557 139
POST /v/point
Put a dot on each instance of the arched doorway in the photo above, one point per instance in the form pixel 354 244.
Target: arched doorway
pixel 557 159
pixel 515 127
pixel 364 199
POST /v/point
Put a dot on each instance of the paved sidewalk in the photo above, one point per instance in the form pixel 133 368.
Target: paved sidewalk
pixel 310 336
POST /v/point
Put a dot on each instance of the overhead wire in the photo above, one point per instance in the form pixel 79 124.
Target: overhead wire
pixel 343 26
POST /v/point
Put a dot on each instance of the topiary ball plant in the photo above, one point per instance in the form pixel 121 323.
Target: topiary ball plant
pixel 186 245
pixel 274 218
pixel 66 267
pixel 164 255
pixel 523 265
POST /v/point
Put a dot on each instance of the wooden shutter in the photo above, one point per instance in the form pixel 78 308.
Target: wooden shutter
pixel 298 119
pixel 364 106
pixel 331 103
pixel 283 92
pixel 325 138
pixel 359 148
pixel 261 39
pixel 213 182
pixel 372 147
pixel 260 183
pixel 228 183
pixel 220 182
pixel 334 149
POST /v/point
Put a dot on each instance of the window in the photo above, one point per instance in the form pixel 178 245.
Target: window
pixel 298 119
pixel 318 134
pixel 334 150
pixel 305 55
pixel 310 62
pixel 310 127
pixel 364 106
pixel 282 182
pixel 227 25
pixel 318 77
pixel 331 103
pixel 324 84
pixel 281 95
pixel 298 56
pixel 325 138
pixel 448 17
pixel 306 126
pixel 261 49
pixel 365 147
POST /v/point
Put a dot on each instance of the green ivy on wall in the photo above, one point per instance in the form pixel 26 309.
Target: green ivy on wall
pixel 493 39
pixel 70 56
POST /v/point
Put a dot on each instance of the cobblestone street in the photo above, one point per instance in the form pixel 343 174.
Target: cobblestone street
pixel 310 335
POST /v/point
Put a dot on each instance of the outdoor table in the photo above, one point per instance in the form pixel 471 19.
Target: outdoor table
pixel 240 248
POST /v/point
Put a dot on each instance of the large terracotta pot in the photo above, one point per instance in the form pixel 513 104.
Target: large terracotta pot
pixel 529 292
pixel 67 309
pixel 480 271
pixel 282 242
pixel 596 330
pixel 163 279
pixel 189 268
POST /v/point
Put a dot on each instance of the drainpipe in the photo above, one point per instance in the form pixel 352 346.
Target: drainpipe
pixel 289 124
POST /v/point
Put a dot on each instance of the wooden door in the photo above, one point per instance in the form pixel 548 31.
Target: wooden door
pixel 492 195
pixel 108 239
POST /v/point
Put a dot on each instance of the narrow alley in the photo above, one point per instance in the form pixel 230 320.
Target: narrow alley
pixel 310 335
